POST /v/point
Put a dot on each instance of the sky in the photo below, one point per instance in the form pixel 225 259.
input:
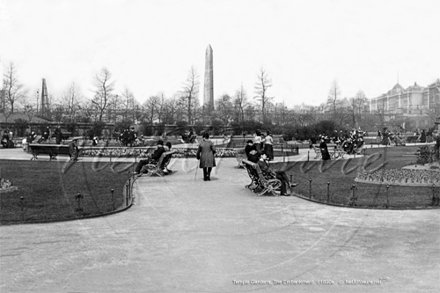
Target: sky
pixel 150 46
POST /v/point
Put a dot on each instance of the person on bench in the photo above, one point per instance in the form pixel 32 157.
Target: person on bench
pixel 45 135
pixel 155 156
pixel 251 151
pixel 280 175
pixel 166 159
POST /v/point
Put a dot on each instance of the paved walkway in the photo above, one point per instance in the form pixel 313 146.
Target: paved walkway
pixel 187 235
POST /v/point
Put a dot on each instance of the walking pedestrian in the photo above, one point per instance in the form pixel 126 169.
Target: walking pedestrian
pixel 324 150
pixel 205 153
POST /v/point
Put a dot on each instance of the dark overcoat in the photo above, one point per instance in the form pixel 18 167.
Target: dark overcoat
pixel 324 151
pixel 205 153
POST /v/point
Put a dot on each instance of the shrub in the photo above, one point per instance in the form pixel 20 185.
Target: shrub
pixel 425 154
pixel 21 125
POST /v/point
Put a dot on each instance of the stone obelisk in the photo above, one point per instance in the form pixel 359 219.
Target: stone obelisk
pixel 208 94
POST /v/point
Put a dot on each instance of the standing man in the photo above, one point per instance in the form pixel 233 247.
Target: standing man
pixel 205 153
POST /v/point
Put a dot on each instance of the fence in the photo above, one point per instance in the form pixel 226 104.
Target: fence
pixel 86 195
pixel 363 195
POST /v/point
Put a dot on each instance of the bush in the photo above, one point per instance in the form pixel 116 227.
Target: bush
pixel 20 126
pixel 181 124
pixel 71 127
pixel 199 127
pixel 96 129
pixel 425 154
pixel 217 126
pixel 250 126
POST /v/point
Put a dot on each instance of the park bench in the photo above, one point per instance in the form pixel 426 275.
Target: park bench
pixel 338 152
pixel 267 183
pixel 240 156
pixel 359 150
pixel 155 168
pixel 318 153
pixel 49 149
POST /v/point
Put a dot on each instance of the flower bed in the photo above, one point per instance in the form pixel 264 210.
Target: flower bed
pixel 404 177
pixel 142 152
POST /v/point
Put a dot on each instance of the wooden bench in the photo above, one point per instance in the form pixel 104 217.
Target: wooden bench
pixel 155 168
pixel 240 156
pixel 318 153
pixel 359 149
pixel 52 150
pixel 338 152
pixel 267 183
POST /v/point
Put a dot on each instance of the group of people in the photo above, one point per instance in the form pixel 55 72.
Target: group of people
pixel 260 151
pixel 205 155
pixel 7 136
pixel 264 143
pixel 386 137
pixel 189 137
pixel 6 140
pixel 350 142
pixel 155 157
pixel 128 137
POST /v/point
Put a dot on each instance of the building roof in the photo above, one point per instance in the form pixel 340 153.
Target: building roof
pixel 415 87
pixel 396 89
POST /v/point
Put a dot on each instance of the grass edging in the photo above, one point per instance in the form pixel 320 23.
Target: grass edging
pixel 364 207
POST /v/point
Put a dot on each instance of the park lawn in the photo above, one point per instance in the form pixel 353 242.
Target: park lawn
pixel 48 190
pixel 341 180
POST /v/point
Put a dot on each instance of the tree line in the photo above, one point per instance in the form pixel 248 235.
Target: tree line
pixel 240 111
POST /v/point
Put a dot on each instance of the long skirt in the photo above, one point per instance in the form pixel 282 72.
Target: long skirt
pixel 268 149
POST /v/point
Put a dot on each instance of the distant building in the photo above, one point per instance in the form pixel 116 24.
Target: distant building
pixel 414 102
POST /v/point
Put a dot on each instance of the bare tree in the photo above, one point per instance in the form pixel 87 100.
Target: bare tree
pixel 152 108
pixel 71 100
pixel 13 90
pixel 127 103
pixel 261 87
pixel 86 112
pixel 280 113
pixel 103 92
pixel 190 92
pixel 169 111
pixel 224 108
pixel 358 107
pixel 240 102
pixel 334 97
pixel 249 112
pixel 115 108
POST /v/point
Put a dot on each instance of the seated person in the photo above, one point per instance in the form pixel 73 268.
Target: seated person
pixel 155 156
pixel 251 151
pixel 5 139
pixel 280 175
pixel 192 138
pixel 31 137
pixel 45 135
pixel 185 138
pixel 166 159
